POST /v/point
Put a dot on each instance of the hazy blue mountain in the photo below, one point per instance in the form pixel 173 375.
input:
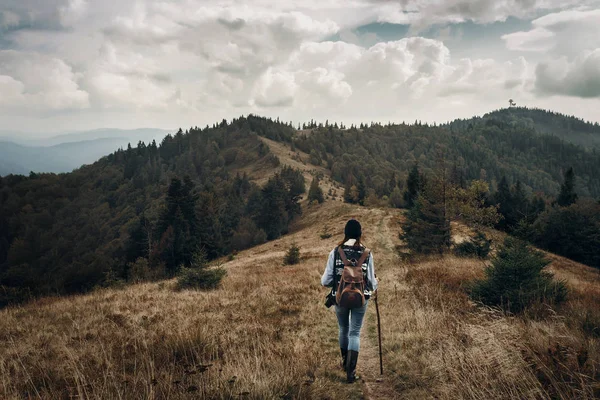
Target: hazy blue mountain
pixel 144 134
pixel 63 153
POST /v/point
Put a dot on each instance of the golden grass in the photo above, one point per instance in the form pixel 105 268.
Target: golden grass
pixel 439 344
pixel 265 333
pixel 287 157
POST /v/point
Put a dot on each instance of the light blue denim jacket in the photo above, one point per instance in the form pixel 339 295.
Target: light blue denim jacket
pixel 327 278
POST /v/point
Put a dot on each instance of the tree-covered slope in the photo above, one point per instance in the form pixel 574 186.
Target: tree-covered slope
pixel 69 232
pixel 377 156
pixel 567 127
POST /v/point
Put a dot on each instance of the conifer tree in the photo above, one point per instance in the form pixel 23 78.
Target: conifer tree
pixel 292 256
pixel 414 185
pixel 348 194
pixel 272 216
pixel 516 279
pixel 209 225
pixel 427 229
pixel 177 228
pixel 315 193
pixel 293 181
pixel 362 190
pixel 567 194
pixel 503 198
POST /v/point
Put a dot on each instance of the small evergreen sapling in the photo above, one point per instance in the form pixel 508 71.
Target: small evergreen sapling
pixel 516 280
pixel 292 256
pixel 325 234
pixel 200 275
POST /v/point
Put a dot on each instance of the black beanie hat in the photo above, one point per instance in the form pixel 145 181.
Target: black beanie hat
pixel 353 229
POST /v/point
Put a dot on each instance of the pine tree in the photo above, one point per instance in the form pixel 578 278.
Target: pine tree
pixel 294 184
pixel 391 184
pixel 567 194
pixel 272 216
pixel 292 256
pixel 427 229
pixel 177 228
pixel 414 185
pixel 520 204
pixel 199 275
pixel 139 243
pixel 348 198
pixel 572 231
pixel 503 198
pixel 516 279
pixel 209 225
pixel 362 190
pixel 315 193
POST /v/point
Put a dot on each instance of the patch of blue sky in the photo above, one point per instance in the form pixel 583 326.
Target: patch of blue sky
pixel 464 39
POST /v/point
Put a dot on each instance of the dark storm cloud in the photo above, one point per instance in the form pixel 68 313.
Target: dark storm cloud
pixel 580 78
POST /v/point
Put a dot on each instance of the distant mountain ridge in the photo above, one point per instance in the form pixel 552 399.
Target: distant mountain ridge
pixel 66 152
pixel 567 127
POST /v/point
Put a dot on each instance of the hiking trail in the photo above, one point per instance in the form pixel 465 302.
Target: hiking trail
pixel 376 386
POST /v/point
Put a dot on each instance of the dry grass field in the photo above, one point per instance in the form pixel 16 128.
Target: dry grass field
pixel 265 333
pixel 298 160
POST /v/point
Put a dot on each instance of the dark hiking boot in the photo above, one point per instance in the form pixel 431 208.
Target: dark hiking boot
pixel 344 358
pixel 352 359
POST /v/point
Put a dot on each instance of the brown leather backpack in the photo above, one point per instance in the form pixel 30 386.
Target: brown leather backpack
pixel 351 287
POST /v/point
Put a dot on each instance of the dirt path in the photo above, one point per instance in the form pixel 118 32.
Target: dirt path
pixel 376 386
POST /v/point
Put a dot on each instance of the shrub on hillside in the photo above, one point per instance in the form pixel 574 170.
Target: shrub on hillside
pixel 516 280
pixel 11 295
pixel 247 235
pixel 200 275
pixel 193 278
pixel 325 234
pixel 476 246
pixel 139 271
pixel 396 199
pixel 315 193
pixel 292 256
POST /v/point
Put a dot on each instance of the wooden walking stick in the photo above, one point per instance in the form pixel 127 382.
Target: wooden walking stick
pixel 379 334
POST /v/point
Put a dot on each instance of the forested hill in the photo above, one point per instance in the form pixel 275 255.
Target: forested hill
pixel 380 156
pixel 146 211
pixel 567 127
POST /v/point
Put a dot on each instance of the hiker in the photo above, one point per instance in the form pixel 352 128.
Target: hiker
pixel 350 299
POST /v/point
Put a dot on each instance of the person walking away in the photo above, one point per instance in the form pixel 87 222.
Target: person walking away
pixel 350 272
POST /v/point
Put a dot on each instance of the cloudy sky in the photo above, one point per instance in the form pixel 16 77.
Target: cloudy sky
pixel 85 64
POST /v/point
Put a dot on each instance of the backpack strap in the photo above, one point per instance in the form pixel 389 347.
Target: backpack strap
pixel 343 255
pixel 361 260
pixel 363 257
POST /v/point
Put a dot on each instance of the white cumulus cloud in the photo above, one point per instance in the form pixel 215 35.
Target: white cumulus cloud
pixel 566 32
pixel 40 82
pixel 178 61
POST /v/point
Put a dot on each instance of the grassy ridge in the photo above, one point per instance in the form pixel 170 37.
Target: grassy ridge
pixel 266 334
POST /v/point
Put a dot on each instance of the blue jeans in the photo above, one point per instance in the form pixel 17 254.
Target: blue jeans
pixel 350 321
